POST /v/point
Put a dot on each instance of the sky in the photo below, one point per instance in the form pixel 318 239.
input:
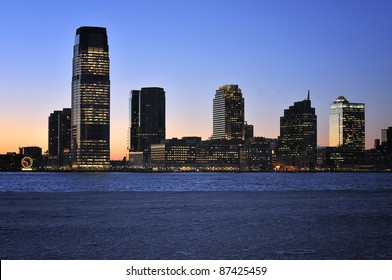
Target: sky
pixel 274 50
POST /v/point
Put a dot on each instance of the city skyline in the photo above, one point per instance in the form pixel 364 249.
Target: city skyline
pixel 273 51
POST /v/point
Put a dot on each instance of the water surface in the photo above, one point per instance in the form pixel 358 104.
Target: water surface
pixel 111 181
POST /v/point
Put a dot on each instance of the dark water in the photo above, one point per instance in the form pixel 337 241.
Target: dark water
pixel 105 182
pixel 196 215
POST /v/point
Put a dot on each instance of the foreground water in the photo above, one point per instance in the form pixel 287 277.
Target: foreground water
pixel 196 215
pixel 108 182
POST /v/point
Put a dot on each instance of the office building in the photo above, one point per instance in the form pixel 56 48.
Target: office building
pixel 11 162
pixel 228 114
pixel 347 124
pixel 386 140
pixel 147 119
pixel 218 155
pixel 256 155
pixel 175 154
pixel 298 136
pixel 249 131
pixel 59 138
pixel 346 133
pixel 384 136
pixel 90 119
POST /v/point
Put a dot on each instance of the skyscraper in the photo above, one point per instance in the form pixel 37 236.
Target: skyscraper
pixel 148 118
pixel 347 125
pixel 389 140
pixel 59 142
pixel 228 114
pixel 298 135
pixel 90 121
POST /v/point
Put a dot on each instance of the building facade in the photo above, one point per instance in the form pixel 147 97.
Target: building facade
pixel 256 155
pixel 347 124
pixel 59 138
pixel 346 133
pixel 228 114
pixel 219 155
pixel 147 119
pixel 90 120
pixel 298 136
pixel 386 140
pixel 11 162
pixel 192 154
pixel 175 154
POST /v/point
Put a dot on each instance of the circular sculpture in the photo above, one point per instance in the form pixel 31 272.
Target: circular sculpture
pixel 27 162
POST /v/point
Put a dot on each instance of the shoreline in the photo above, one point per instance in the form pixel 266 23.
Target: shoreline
pixel 180 171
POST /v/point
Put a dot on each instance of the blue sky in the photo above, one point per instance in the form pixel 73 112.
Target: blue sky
pixel 274 50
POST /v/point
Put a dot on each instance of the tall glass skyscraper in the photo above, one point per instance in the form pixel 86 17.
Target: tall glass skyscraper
pixel 147 118
pixel 228 114
pixel 298 135
pixel 90 121
pixel 347 124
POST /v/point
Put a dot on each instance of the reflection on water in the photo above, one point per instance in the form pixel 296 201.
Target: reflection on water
pixel 75 182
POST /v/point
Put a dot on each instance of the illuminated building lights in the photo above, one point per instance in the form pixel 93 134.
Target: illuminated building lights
pixel 90 121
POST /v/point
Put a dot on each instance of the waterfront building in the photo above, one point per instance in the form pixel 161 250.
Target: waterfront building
pixel 386 135
pixel 347 132
pixel 218 155
pixel 59 138
pixel 192 154
pixel 377 160
pixel 175 154
pixel 228 114
pixel 385 143
pixel 11 162
pixel 298 136
pixel 147 119
pixel 256 155
pixel 380 157
pixel 90 118
pixel 274 144
pixel 347 124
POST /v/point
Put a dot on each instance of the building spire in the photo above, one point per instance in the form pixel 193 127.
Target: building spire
pixel 308 94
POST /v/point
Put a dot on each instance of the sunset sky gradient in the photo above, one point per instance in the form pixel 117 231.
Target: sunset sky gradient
pixel 274 50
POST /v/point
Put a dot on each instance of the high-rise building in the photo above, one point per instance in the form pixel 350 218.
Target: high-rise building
pixel 249 131
pixel 90 121
pixel 148 123
pixel 347 125
pixel 59 140
pixel 298 135
pixel 386 139
pixel 228 114
pixel 384 135
pixel 129 126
